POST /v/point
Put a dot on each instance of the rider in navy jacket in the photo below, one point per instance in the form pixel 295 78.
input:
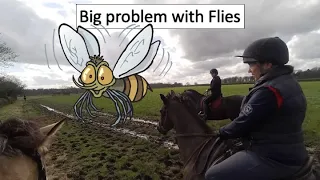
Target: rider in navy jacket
pixel 271 119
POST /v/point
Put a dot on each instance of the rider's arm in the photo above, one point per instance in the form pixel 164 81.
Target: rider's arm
pixel 212 85
pixel 261 105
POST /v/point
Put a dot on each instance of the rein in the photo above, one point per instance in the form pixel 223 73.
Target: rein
pixel 195 135
pixel 198 150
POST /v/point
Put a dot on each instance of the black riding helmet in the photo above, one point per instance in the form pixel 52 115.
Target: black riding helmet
pixel 213 71
pixel 272 50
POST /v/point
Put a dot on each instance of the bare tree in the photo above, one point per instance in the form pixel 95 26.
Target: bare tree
pixel 7 55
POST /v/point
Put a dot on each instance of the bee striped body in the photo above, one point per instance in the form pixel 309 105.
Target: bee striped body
pixel 135 87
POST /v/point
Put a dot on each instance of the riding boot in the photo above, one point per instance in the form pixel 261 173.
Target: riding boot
pixel 203 114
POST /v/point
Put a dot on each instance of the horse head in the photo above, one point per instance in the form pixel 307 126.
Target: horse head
pixel 22 148
pixel 165 124
pixel 194 137
pixel 175 108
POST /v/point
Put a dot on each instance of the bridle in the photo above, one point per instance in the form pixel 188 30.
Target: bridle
pixel 160 125
pixel 162 128
pixel 197 151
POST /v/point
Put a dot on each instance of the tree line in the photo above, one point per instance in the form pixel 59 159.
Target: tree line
pixel 307 75
pixel 10 86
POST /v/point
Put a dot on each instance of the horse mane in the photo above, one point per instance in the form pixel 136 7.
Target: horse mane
pixel 183 99
pixel 18 136
pixel 193 91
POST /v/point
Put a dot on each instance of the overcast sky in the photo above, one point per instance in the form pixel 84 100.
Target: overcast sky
pixel 27 25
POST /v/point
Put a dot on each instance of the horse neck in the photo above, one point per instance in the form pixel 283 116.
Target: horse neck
pixel 18 167
pixel 189 129
pixel 194 98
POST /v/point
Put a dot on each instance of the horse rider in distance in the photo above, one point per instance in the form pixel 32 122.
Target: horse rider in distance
pixel 215 88
pixel 270 120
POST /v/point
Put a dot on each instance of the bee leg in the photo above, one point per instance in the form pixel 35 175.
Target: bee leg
pixel 75 107
pixel 129 106
pixel 127 101
pixel 120 100
pixel 89 99
pixel 92 105
pixel 130 110
pixel 82 103
pixel 117 108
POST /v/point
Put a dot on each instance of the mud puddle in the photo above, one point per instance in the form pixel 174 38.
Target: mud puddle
pixel 132 119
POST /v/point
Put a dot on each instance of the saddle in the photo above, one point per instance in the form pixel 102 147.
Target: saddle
pixel 304 173
pixel 213 104
pixel 216 103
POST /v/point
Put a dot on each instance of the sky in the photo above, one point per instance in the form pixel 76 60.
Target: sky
pixel 29 27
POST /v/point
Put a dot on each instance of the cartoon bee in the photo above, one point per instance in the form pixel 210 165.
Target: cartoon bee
pixel 121 84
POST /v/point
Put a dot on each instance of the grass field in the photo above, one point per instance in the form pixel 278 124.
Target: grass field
pixel 149 107
pixel 90 152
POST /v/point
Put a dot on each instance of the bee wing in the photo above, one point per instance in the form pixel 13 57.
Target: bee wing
pixel 73 47
pixel 135 53
pixel 147 61
pixel 91 41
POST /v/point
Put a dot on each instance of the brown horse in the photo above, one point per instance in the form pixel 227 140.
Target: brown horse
pixel 228 109
pixel 199 146
pixel 22 147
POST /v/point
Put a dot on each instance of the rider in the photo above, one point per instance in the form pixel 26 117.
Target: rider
pixel 270 120
pixel 215 88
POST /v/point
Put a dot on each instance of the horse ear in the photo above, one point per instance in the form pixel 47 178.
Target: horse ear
pixel 164 99
pixel 173 93
pixel 49 131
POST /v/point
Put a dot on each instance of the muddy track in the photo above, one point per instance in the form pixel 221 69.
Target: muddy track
pixel 136 127
pixel 95 150
pixel 139 128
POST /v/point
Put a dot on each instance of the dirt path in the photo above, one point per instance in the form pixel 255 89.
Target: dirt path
pixel 136 127
pixel 88 151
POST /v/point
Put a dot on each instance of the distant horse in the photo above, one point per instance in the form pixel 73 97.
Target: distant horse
pixel 224 108
pixel 199 146
pixel 22 147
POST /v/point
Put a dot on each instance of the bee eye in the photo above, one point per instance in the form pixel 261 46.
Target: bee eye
pixel 105 75
pixel 88 75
